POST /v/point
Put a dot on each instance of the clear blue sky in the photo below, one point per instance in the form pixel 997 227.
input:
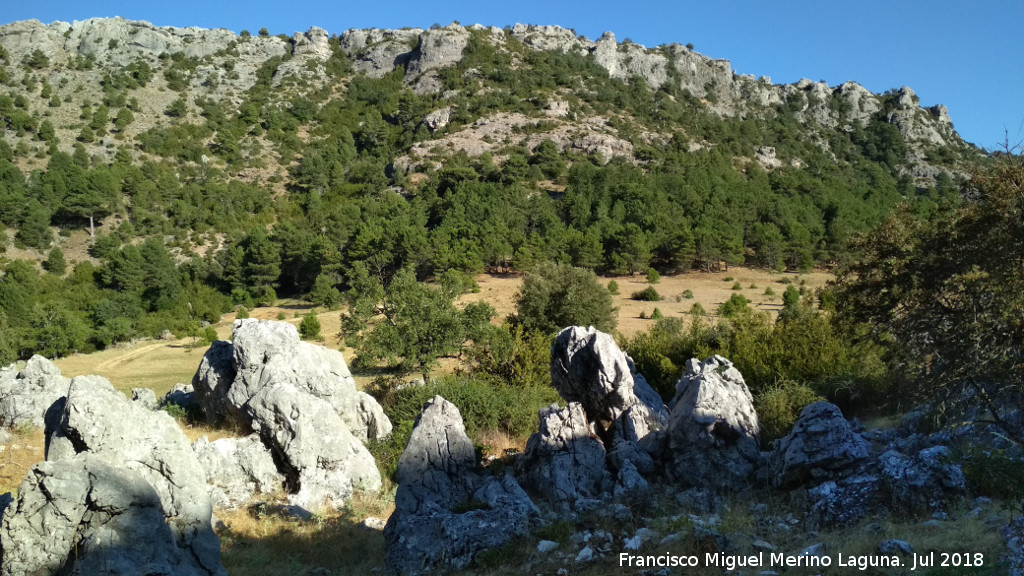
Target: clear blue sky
pixel 968 55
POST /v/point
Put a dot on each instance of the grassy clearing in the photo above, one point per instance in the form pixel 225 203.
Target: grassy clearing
pixel 260 544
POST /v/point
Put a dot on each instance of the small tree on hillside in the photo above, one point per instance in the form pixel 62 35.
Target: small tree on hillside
pixel 309 328
pixel 554 296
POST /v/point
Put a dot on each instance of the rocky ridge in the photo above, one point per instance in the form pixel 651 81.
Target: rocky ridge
pixel 228 65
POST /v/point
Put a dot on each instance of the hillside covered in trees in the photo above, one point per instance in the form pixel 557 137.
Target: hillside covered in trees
pixel 204 170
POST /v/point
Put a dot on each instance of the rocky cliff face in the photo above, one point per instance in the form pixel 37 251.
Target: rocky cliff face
pixel 226 65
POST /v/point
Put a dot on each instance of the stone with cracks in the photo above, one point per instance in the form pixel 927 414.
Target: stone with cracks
pixel 25 398
pixel 86 516
pixel 97 423
pixel 713 428
pixel 843 503
pixel 1013 559
pixel 265 354
pixel 236 469
pixel 822 446
pixel 588 367
pixel 445 512
pixel 564 461
pixel 323 463
pixel 925 482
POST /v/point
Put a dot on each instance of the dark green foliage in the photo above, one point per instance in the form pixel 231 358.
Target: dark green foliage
pixel 613 287
pixel 36 60
pixel 242 313
pixel 555 296
pixel 648 294
pixel 309 328
pixel 55 262
pixel 733 306
pixel 177 109
pixel 946 296
pixel 421 324
pixel 652 276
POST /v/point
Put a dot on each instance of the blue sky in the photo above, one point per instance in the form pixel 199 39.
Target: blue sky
pixel 968 55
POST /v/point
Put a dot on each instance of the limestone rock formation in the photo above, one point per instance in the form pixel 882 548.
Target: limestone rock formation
pixel 926 481
pixel 822 446
pixel 845 502
pixel 711 438
pixel 25 398
pixel 322 461
pixel 1013 534
pixel 88 516
pixel 588 367
pixel 236 469
pixel 97 421
pixel 265 354
pixel 446 513
pixel 564 461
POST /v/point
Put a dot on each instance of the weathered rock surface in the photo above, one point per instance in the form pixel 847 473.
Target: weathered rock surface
pixel 587 367
pixel 321 460
pixel 266 354
pixel 565 461
pixel 843 503
pixel 446 513
pixel 87 516
pixel 145 398
pixel 821 446
pixel 182 396
pixel 237 469
pixel 711 439
pixel 24 399
pixel 98 422
pixel 1013 534
pixel 924 482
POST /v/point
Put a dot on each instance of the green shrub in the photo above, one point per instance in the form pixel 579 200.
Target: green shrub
pixel 697 310
pixel 769 292
pixel 485 403
pixel 243 313
pixel 728 279
pixel 554 296
pixel 210 334
pixel 779 406
pixel 993 473
pixel 613 287
pixel 737 286
pixel 733 305
pixel 688 294
pixel 657 315
pixel 281 316
pixel 652 276
pixel 309 328
pixel 648 294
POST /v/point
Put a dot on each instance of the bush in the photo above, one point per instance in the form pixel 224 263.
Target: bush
pixel 648 294
pixel 657 315
pixel 688 294
pixel 737 286
pixel 652 276
pixel 697 310
pixel 613 287
pixel 243 313
pixel 733 305
pixel 779 406
pixel 993 473
pixel 554 296
pixel 769 292
pixel 485 404
pixel 210 334
pixel 309 328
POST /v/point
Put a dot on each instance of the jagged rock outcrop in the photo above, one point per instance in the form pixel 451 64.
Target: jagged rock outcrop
pixel 117 475
pixel 145 398
pixel 630 60
pixel 843 503
pixel 446 513
pixel 237 469
pixel 182 396
pixel 87 516
pixel 265 354
pixel 25 398
pixel 322 461
pixel 927 481
pixel 712 435
pixel 587 367
pixel 377 52
pixel 821 446
pixel 565 462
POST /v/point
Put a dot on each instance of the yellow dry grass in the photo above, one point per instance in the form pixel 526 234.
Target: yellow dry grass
pixel 257 543
pixel 710 289
pixel 25 449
